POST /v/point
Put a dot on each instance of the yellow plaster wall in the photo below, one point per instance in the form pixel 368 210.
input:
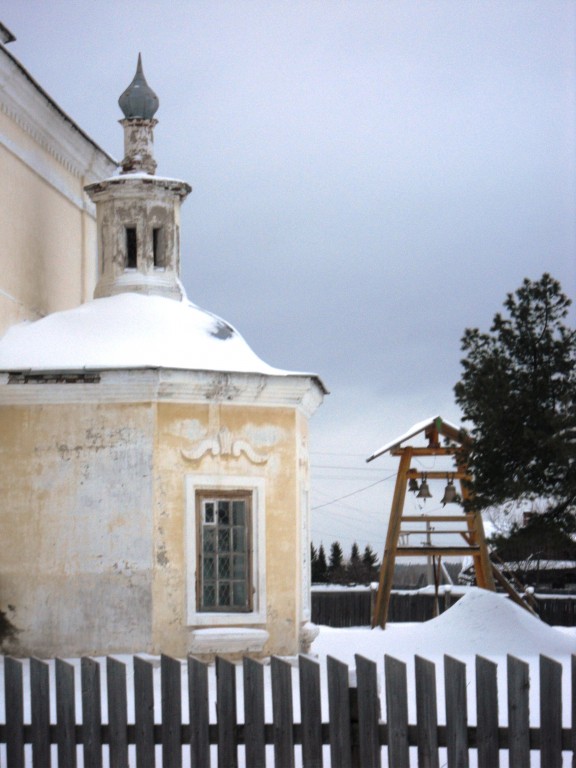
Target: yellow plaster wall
pixel 48 255
pixel 93 531
pixel 75 526
pixel 276 431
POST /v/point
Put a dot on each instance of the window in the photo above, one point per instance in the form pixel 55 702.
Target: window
pixel 158 247
pixel 228 608
pixel 224 552
pixel 131 248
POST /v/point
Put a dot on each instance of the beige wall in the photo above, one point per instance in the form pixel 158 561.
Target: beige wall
pixel 96 519
pixel 275 435
pixel 48 250
pixel 76 526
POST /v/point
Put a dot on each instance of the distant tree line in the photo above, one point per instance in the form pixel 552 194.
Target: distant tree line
pixel 357 569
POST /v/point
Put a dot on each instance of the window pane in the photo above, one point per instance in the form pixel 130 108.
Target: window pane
pixel 223 512
pixel 208 570
pixel 209 597
pixel 224 594
pixel 238 512
pixel 238 540
pixel 209 544
pixel 223 539
pixel 223 567
pixel 239 594
pixel 209 512
pixel 239 565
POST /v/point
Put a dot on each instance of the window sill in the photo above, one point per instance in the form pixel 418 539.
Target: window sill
pixel 227 640
pixel 238 619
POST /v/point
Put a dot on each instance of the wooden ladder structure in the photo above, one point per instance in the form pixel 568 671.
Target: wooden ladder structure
pixel 466 527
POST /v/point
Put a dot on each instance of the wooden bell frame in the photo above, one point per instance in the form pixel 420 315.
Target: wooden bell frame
pixel 468 526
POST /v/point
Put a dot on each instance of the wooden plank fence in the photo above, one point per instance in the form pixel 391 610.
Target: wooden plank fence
pixel 355 733
pixel 353 607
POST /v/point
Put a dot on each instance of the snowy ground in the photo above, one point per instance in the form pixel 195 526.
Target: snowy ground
pixel 482 623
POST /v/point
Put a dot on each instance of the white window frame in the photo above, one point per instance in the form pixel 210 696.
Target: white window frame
pixel 215 484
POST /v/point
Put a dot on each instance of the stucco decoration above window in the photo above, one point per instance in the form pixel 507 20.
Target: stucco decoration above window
pixel 223 444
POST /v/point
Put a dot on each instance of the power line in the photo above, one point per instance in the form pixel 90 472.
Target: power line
pixel 344 466
pixel 353 493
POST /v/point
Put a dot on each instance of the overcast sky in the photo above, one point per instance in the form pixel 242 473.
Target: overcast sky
pixel 369 179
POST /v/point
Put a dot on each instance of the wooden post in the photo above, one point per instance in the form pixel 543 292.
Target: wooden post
pixel 368 713
pixel 14 697
pixel 65 714
pixel 282 713
pixel 40 706
pixel 389 557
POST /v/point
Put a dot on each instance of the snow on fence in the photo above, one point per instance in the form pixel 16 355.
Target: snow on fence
pixel 354 734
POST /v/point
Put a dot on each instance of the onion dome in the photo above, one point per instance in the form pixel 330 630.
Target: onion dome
pixel 139 100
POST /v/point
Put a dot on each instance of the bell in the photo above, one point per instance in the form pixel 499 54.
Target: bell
pixel 424 492
pixel 413 484
pixel 450 495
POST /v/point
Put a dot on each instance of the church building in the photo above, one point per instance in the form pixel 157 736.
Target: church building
pixel 155 471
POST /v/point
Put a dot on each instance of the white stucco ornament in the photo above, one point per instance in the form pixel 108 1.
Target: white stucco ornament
pixel 224 444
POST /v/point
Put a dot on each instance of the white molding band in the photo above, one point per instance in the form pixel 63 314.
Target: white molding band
pixel 36 163
pixel 165 385
pixel 24 102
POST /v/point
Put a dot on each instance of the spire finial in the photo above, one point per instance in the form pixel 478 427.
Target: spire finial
pixel 139 100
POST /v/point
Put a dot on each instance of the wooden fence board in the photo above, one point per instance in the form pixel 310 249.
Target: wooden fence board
pixel 65 714
pixel 518 712
pixel 91 713
pixel 368 712
pixel 171 689
pixel 456 713
pixel 397 712
pixel 339 709
pixel 283 717
pixel 426 713
pixel 199 713
pixel 226 710
pixel 550 713
pixel 254 719
pixel 487 713
pixel 311 712
pixel 117 712
pixel 14 697
pixel 354 729
pixel 40 712
pixel 144 713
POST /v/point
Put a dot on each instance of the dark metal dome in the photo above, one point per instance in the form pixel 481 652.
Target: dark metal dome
pixel 139 100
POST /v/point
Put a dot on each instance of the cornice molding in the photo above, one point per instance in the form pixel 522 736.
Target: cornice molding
pixel 158 385
pixel 26 105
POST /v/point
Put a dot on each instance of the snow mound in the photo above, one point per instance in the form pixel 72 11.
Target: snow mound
pixel 130 330
pixel 487 623
pixel 481 623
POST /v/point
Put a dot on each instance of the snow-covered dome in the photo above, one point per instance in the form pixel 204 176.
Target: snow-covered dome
pixel 140 316
pixel 130 330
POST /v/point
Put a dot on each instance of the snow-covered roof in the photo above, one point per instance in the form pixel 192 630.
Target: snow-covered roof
pixel 443 426
pixel 131 330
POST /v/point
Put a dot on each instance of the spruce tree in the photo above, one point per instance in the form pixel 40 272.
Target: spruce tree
pixel 320 567
pixel 518 389
pixel 336 570
pixel 370 559
pixel 336 556
pixel 355 569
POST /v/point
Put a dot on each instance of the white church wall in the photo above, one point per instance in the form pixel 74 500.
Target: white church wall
pixel 48 255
